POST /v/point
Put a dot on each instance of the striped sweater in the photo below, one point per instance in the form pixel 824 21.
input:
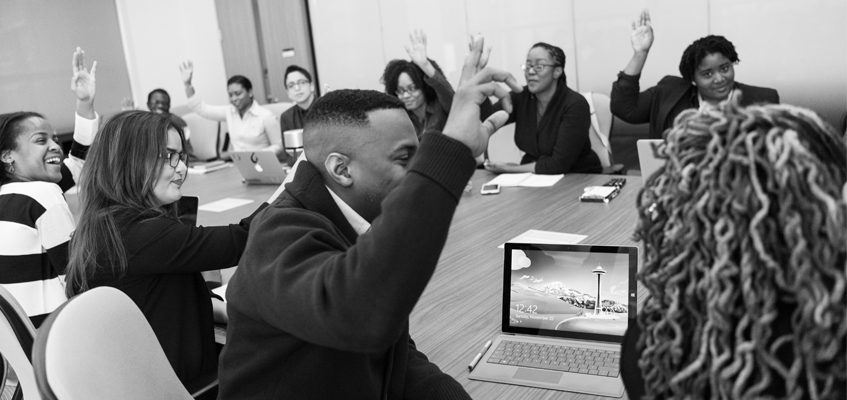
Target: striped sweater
pixel 35 228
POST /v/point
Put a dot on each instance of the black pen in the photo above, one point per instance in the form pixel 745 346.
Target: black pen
pixel 478 357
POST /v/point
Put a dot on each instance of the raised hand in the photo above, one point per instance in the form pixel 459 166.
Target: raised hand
pixel 127 104
pixel 417 47
pixel 186 71
pixel 83 81
pixel 642 33
pixel 477 83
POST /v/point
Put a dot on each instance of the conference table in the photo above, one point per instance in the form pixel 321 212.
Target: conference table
pixel 460 308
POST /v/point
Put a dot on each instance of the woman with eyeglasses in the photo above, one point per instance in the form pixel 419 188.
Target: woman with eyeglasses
pixel 251 126
pixel 35 220
pixel 707 67
pixel 129 237
pixel 421 85
pixel 551 120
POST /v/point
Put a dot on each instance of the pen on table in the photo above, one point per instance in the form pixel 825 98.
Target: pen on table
pixel 478 357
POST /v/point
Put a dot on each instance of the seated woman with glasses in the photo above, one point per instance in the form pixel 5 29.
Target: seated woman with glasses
pixel 744 260
pixel 35 220
pixel 421 85
pixel 251 126
pixel 708 77
pixel 129 237
pixel 551 120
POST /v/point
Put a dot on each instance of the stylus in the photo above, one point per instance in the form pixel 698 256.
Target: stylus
pixel 478 357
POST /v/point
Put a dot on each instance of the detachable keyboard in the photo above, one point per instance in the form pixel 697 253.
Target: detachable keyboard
pixel 557 358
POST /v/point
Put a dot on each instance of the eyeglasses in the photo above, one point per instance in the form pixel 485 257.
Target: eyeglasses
pixel 538 68
pixel 300 83
pixel 411 91
pixel 174 157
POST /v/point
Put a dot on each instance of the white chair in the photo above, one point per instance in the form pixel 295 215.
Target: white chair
pixel 600 130
pixel 16 338
pixel 98 345
pixel 204 136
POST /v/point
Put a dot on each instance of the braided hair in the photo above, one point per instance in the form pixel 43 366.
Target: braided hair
pixel 745 241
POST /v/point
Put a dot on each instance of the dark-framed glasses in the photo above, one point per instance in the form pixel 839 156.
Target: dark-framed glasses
pixel 538 68
pixel 174 157
pixel 298 83
pixel 411 90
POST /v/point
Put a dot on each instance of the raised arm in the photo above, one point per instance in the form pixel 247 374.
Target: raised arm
pixel 86 120
pixel 417 52
pixel 215 113
pixel 641 39
pixel 627 103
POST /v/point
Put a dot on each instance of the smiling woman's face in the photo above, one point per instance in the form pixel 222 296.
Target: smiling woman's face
pixel 37 156
pixel 168 186
pixel 715 77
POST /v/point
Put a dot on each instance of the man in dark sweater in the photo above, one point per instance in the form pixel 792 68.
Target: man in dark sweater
pixel 320 304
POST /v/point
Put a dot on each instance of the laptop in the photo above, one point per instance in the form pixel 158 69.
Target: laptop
pixel 647 156
pixel 259 167
pixel 549 305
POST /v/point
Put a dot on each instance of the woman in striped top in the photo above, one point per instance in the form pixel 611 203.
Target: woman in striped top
pixel 35 221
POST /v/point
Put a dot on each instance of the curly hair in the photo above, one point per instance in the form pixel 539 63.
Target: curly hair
pixel 396 67
pixel 745 250
pixel 697 51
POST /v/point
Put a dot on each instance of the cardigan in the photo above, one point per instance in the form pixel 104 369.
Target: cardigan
pixel 660 104
pixel 559 143
pixel 164 261
pixel 319 312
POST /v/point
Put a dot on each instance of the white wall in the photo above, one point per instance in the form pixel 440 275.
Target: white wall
pixel 159 34
pixel 797 47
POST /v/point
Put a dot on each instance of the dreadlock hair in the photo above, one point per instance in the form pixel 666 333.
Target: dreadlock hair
pixel 744 238
pixel 697 51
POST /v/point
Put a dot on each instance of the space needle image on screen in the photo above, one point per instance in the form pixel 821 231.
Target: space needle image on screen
pixel 566 291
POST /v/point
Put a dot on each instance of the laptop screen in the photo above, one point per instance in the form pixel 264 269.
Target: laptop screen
pixel 576 291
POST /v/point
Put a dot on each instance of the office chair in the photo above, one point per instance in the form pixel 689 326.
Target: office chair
pixel 601 128
pixel 16 338
pixel 98 345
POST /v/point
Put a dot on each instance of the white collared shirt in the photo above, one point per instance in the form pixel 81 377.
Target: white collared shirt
pixel 257 130
pixel 706 106
pixel 359 224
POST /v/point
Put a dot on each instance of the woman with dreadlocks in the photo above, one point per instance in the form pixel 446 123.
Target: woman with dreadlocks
pixel 744 260
pixel 707 67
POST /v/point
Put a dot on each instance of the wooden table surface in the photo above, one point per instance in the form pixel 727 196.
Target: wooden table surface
pixel 460 309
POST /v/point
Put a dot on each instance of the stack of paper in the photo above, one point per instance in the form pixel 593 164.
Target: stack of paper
pixel 206 167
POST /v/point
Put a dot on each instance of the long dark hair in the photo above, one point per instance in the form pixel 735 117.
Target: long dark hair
pixel 121 170
pixel 9 131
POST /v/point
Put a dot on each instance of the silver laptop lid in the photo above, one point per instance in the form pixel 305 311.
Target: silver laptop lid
pixel 552 290
pixel 260 167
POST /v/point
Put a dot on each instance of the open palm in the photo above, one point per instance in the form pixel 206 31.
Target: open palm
pixel 642 33
pixel 83 82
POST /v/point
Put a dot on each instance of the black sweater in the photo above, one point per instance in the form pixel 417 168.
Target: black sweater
pixel 165 258
pixel 317 312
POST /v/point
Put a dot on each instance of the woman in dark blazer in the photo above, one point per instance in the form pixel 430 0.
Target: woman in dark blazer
pixel 708 77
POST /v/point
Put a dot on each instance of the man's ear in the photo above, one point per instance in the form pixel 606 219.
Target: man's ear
pixel 337 166
pixel 6 156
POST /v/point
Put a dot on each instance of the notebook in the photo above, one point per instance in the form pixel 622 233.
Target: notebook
pixel 647 156
pixel 259 167
pixel 550 307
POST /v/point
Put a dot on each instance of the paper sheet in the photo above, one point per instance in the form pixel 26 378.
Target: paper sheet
pixel 224 204
pixel 545 237
pixel 526 179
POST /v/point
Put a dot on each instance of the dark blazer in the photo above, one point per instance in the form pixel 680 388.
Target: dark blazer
pixel 660 104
